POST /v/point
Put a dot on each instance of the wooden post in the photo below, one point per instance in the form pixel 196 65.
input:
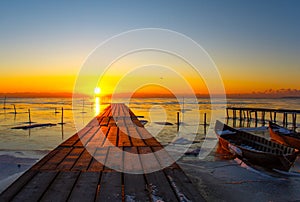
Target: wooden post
pixel 234 114
pixel 244 114
pixel 284 119
pixel 294 115
pixel 240 114
pixel 205 123
pixel 15 109
pixel 263 117
pixel 227 113
pixel 234 123
pixel 62 131
pixel 255 116
pixel 271 119
pixel 178 121
pixel 29 117
pixel 62 115
pixel 248 118
pixel 275 117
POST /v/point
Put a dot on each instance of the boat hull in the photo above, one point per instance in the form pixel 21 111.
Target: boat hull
pixel 265 153
pixel 286 139
pixel 266 160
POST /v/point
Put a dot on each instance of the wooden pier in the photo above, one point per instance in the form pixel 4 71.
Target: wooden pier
pixel 71 173
pixel 260 114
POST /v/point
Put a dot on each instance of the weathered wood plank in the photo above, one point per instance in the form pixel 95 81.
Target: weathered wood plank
pixel 124 139
pixel 83 162
pixel 70 159
pixel 99 160
pixel 104 112
pixel 61 187
pixel 104 121
pixel 112 136
pixel 148 159
pixel 182 185
pixel 147 137
pixel 164 158
pixel 132 162
pixel 85 139
pixel 135 188
pixel 114 159
pixel 35 188
pixel 159 187
pixel 93 123
pixel 110 187
pixel 45 159
pixel 98 139
pixel 135 137
pixel 112 122
pixel 137 122
pixel 70 142
pixel 52 163
pixel 85 187
pixel 75 138
pixel 14 188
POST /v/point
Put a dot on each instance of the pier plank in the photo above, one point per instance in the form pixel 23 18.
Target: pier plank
pixel 110 187
pixel 124 139
pixel 83 162
pixel 53 162
pixel 35 188
pixel 148 159
pixel 182 185
pixel 85 187
pixel 85 139
pixel 114 159
pixel 97 140
pixel 135 188
pixel 70 159
pixel 13 189
pixel 132 162
pixel 98 160
pixel 112 137
pixel 61 187
pixel 159 187
pixel 135 137
pixel 147 137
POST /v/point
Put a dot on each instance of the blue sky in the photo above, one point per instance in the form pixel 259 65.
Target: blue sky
pixel 242 37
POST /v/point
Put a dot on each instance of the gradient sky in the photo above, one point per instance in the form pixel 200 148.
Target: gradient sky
pixel 255 44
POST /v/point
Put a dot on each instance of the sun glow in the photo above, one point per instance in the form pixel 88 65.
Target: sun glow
pixel 97 91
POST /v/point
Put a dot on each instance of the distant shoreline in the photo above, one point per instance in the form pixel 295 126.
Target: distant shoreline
pixel 125 95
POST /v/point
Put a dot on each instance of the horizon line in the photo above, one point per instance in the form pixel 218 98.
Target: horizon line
pixel 140 95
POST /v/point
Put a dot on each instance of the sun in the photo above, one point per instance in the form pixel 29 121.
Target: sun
pixel 97 91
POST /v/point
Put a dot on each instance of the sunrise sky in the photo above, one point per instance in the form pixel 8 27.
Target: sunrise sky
pixel 255 44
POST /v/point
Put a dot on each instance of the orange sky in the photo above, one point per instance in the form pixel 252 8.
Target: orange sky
pixel 44 45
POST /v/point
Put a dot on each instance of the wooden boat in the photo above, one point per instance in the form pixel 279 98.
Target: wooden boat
pixel 255 149
pixel 284 136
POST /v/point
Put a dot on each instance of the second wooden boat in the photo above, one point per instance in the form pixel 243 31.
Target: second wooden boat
pixel 255 149
pixel 284 136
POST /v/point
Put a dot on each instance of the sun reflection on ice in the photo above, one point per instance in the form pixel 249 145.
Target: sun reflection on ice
pixel 97 105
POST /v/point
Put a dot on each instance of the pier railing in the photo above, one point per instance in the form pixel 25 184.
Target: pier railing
pixel 263 115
